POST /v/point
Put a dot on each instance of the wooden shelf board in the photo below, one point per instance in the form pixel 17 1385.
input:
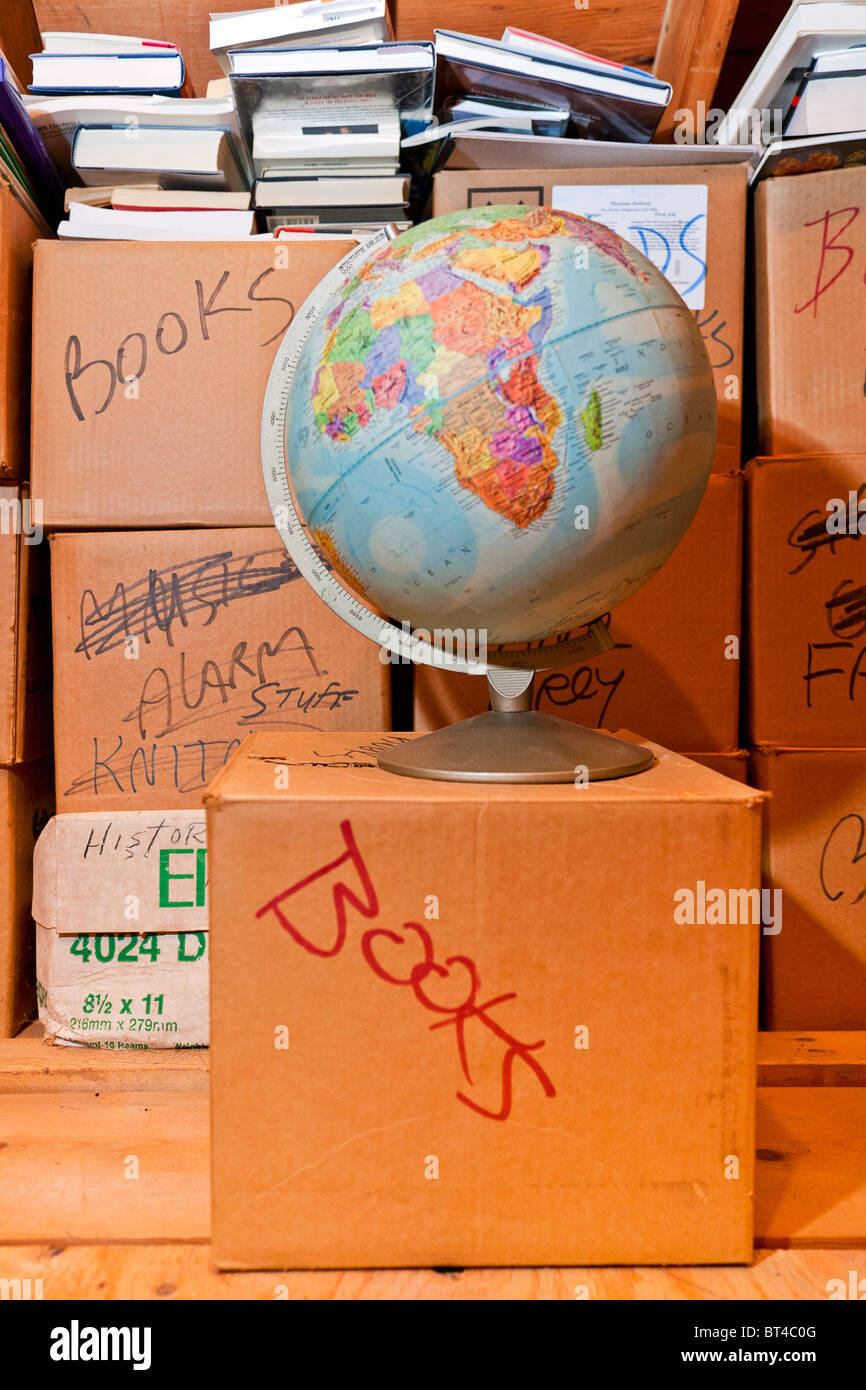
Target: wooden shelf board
pixel 75 1122
pixel 183 1271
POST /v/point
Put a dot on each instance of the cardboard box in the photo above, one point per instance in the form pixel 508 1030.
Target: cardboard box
pixel 814 969
pixel 25 631
pixel 432 1046
pixel 720 318
pixel 674 670
pixel 170 646
pixel 805 648
pixel 810 261
pixel 26 802
pixel 120 905
pixel 17 235
pixel 150 363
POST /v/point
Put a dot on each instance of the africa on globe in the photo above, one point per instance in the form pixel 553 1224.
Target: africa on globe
pixel 503 421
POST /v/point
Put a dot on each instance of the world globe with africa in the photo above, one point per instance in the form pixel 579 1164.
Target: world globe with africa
pixel 504 422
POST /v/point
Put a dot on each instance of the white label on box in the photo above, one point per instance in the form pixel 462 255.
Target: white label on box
pixel 124 991
pixel 124 870
pixel 666 221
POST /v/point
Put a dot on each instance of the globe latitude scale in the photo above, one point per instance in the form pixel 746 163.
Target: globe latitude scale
pixel 500 422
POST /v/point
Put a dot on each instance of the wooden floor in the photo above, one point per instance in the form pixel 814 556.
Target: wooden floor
pixel 74 1214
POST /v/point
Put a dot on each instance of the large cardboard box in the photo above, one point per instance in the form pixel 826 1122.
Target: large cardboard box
pixel 814 968
pixel 805 647
pixel 675 669
pixel 120 906
pixel 150 362
pixel 810 262
pixel 459 1024
pixel 171 646
pixel 26 802
pixel 716 252
pixel 25 630
pixel 17 235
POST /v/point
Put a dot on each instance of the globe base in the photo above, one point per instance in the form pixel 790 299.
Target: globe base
pixel 518 746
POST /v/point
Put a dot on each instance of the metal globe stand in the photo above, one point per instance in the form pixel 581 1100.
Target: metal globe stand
pixel 514 743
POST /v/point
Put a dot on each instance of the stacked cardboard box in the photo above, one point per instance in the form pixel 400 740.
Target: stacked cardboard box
pixel 806 578
pixel 180 624
pixel 805 712
pixel 499 1026
pixel 674 673
pixel 25 682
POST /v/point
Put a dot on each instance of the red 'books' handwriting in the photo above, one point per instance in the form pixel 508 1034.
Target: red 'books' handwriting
pixel 455 968
pixel 830 252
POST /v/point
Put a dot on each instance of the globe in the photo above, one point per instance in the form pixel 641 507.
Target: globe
pixel 503 422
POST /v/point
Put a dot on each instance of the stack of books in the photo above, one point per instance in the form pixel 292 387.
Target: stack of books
pixel 805 101
pixel 509 101
pixel 542 80
pixel 336 116
pixel 323 121
pixel 117 111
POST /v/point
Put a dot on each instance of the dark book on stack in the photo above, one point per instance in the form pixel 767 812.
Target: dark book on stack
pixel 616 104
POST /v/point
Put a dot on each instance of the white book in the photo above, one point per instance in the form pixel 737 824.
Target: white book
pixel 327 192
pixel 808 30
pixel 340 142
pixel 57 118
pixel 506 125
pixel 146 198
pixel 300 170
pixel 327 168
pixel 70 231
pixel 310 24
pixel 491 115
pixel 842 60
pixel 539 46
pixel 207 225
pixel 176 157
pixel 396 57
pixel 830 105
pixel 143 71
pixel 488 53
pixel 61 41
